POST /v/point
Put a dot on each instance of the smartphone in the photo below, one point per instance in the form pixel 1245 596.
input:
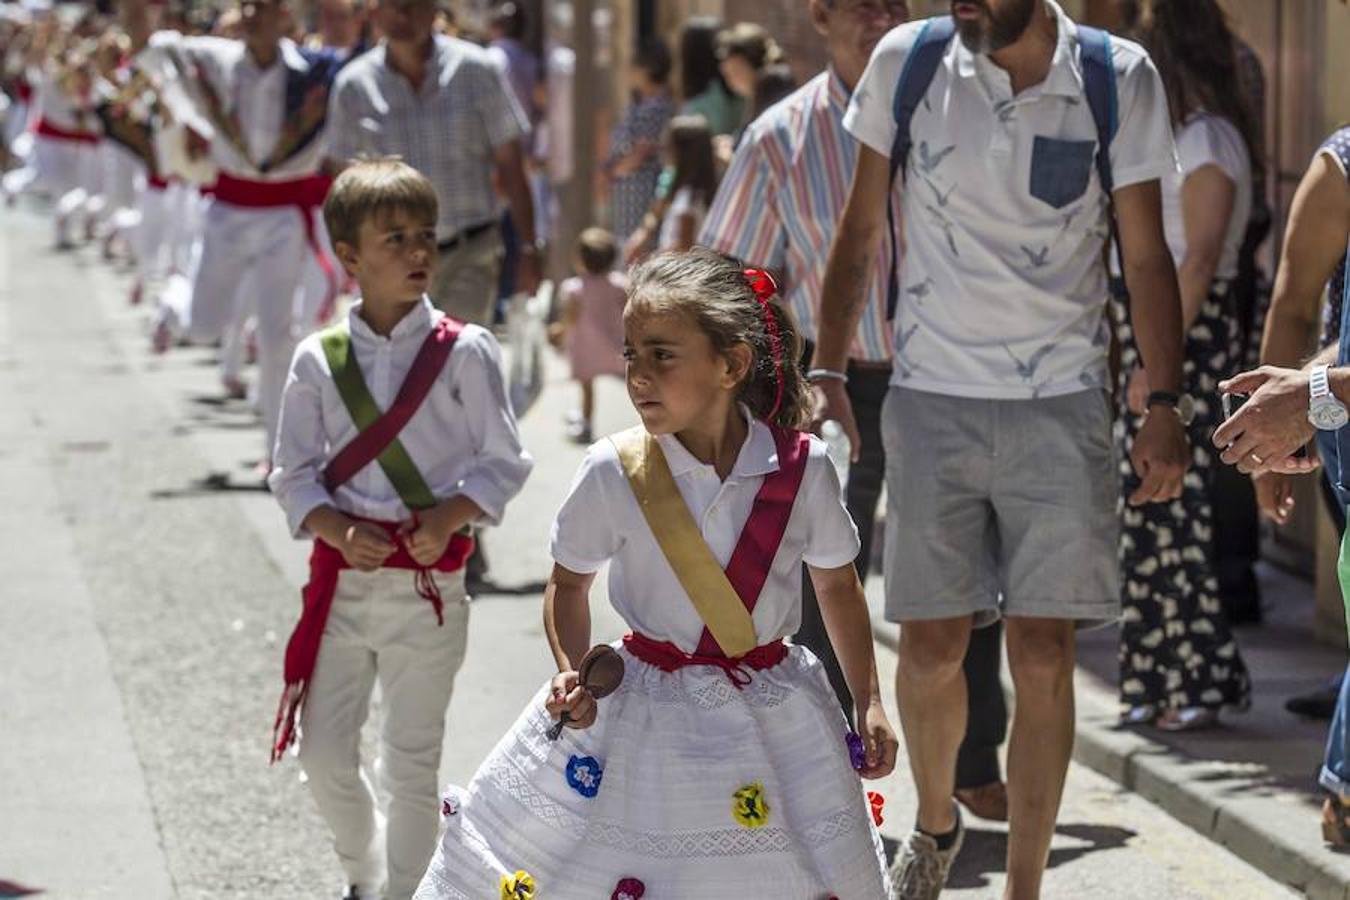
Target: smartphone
pixel 1233 402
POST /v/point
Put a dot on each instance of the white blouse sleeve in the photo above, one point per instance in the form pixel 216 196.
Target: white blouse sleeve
pixel 1208 140
pixel 584 535
pixel 833 539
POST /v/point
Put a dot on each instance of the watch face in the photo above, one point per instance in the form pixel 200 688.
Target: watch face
pixel 1186 409
pixel 1328 414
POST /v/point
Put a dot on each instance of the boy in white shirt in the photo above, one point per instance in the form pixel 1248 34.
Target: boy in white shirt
pixel 400 384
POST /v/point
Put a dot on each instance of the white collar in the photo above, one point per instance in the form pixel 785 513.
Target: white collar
pixel 1065 77
pixel 757 456
pixel 417 321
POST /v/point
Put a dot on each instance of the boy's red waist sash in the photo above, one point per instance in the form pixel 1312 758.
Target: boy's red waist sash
pixel 305 194
pixel 667 657
pixel 45 128
pixel 326 563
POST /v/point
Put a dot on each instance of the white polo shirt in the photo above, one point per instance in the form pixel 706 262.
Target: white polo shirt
pixel 1003 290
pixel 601 521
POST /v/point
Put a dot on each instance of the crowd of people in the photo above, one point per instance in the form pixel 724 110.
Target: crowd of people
pixel 750 282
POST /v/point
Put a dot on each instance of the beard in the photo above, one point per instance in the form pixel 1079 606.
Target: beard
pixel 998 29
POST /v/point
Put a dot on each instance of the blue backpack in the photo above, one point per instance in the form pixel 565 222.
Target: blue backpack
pixel 1099 84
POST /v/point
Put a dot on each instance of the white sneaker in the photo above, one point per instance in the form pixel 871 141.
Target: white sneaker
pixel 920 870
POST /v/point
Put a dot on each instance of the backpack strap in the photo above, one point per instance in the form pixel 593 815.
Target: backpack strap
pixel 1099 84
pixel 921 66
pixel 377 437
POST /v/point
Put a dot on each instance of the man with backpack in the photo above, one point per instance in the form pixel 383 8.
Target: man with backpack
pixel 1022 138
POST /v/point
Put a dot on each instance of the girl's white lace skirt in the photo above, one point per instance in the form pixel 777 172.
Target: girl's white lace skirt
pixel 685 788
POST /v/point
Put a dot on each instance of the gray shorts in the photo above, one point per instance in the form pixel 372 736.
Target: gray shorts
pixel 1001 507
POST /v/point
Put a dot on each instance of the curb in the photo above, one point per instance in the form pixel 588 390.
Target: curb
pixel 1274 829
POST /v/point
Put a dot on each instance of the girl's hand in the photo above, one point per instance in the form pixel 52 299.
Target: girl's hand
pixel 566 695
pixel 878 740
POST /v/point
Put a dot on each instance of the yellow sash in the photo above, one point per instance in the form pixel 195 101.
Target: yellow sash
pixel 678 536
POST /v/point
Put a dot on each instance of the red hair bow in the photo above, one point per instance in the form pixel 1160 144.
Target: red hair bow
pixel 762 283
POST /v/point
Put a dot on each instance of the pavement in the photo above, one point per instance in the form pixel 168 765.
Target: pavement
pixel 151 584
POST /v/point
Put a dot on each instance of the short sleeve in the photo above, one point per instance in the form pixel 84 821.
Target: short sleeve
pixel 503 119
pixel 744 221
pixel 584 536
pixel 833 540
pixel 1209 140
pixel 1337 147
pixel 870 117
pixel 1143 148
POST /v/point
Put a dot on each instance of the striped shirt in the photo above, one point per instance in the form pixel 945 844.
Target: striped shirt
pixel 782 198
pixel 447 131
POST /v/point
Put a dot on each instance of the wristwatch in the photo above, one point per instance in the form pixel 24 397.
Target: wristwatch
pixel 1325 412
pixel 1182 404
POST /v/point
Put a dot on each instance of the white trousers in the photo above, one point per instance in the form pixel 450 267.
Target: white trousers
pixel 380 629
pixel 251 259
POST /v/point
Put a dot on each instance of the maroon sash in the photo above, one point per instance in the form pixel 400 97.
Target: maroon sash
pixel 370 442
pixel 749 566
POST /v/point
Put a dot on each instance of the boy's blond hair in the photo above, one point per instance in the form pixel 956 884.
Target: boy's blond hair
pixel 372 189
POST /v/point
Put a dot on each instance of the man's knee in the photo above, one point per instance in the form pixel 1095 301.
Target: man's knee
pixel 933 651
pixel 1041 652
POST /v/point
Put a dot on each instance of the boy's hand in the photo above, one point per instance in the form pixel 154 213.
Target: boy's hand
pixel 426 537
pixel 878 740
pixel 365 546
pixel 566 695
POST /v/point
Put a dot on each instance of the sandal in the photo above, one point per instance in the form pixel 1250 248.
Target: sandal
pixel 1335 827
pixel 1188 718
pixel 1139 715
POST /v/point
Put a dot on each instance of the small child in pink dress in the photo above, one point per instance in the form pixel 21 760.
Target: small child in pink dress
pixel 591 328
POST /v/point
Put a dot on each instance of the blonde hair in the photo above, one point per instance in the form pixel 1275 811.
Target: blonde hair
pixel 714 292
pixel 376 188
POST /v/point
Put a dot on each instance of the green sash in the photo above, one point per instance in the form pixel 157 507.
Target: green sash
pixel 361 406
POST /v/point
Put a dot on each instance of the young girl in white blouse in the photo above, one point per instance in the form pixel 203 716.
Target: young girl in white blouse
pixel 722 765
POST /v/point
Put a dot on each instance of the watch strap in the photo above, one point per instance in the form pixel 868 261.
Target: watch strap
pixel 1319 385
pixel 1166 397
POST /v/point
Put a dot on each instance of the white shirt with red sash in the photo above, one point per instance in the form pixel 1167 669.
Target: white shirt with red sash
pixel 254 95
pixel 600 520
pixel 463 438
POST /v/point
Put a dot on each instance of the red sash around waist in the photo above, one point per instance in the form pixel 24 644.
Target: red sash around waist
pixel 667 657
pixel 305 194
pixel 155 183
pixel 45 128
pixel 325 564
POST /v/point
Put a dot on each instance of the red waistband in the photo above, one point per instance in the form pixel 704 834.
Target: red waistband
pixel 307 192
pixel 667 657
pixel 45 128
pixel 154 182
pixel 325 564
